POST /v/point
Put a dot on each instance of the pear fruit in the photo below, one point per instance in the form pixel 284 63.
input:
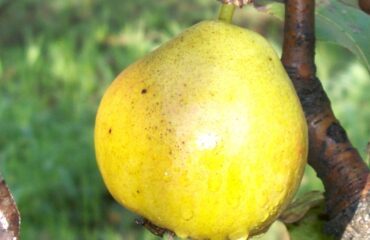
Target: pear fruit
pixel 204 136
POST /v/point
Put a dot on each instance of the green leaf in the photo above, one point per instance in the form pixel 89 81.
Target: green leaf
pixel 1 69
pixel 298 208
pixel 352 3
pixel 305 218
pixel 338 22
pixel 310 227
pixel 345 26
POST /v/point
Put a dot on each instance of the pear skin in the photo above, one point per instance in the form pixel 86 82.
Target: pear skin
pixel 205 135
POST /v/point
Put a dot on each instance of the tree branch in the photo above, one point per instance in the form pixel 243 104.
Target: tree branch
pixel 364 5
pixel 9 215
pixel 336 161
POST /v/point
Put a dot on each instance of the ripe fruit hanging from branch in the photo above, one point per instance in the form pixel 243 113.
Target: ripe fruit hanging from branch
pixel 205 136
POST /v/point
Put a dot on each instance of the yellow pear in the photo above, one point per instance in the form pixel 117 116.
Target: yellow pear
pixel 205 136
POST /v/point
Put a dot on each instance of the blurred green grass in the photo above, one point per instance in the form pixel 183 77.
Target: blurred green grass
pixel 57 58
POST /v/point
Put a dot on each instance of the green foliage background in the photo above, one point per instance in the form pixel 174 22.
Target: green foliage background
pixel 57 58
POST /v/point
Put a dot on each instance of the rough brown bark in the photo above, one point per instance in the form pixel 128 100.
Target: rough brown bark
pixel 364 5
pixel 9 215
pixel 336 161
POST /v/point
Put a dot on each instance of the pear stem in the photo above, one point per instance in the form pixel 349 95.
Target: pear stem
pixel 226 12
